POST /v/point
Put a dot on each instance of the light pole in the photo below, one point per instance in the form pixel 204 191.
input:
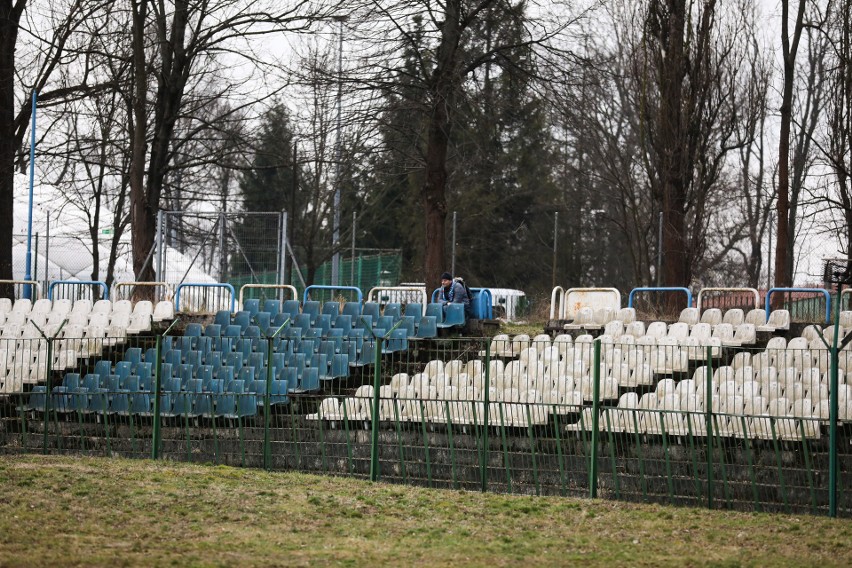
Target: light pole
pixel 28 293
pixel 335 232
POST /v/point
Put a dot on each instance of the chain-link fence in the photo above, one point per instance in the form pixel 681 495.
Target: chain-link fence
pixel 729 426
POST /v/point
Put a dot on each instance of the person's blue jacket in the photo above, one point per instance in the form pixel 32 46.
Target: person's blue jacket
pixel 455 293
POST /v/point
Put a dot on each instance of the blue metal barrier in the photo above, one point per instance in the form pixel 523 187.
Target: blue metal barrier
pixel 75 283
pixel 320 287
pixel 662 289
pixel 226 286
pixel 825 293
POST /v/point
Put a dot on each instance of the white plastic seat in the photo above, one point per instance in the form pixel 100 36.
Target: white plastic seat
pixel 711 316
pixel 626 315
pixel 756 317
pixel 5 305
pixel 745 334
pixel 163 311
pixel 733 317
pixel 102 307
pixel 122 307
pixel 689 316
pixel 139 323
pixel 778 320
pixel 22 306
pixel 143 307
pixel 723 332
pixel 635 328
pixel 42 306
pixel 584 317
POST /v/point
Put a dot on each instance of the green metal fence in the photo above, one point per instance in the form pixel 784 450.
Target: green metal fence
pixel 654 423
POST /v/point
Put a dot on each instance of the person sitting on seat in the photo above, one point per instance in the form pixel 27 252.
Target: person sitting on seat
pixel 454 292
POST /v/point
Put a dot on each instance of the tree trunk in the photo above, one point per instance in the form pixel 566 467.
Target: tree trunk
pixel 443 84
pixel 782 204
pixel 10 15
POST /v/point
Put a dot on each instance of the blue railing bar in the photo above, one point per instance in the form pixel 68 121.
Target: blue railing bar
pixel 321 287
pixel 204 285
pixel 78 283
pixel 822 291
pixel 661 289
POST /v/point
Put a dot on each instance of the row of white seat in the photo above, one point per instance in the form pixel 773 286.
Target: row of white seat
pixel 82 312
pixel 593 319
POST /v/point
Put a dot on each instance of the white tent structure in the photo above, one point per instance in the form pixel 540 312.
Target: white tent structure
pixel 69 254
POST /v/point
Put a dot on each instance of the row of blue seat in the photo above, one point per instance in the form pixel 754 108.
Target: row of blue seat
pixel 225 404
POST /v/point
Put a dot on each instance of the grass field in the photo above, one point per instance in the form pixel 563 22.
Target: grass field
pixel 81 511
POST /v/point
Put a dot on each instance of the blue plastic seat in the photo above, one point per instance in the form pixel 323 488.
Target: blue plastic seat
pixel 312 308
pixel 278 392
pixel 302 321
pixel 428 327
pixel 140 404
pixel 414 309
pixel 193 385
pixel 272 306
pixel 454 315
pixel 324 324
pixel 309 346
pixel 394 310
pixel 290 376
pixel 133 356
pixel 98 401
pixel 204 344
pixel 246 405
pixel 144 370
pixel 257 361
pixel 435 310
pixel 252 305
pixel 186 343
pixel 103 367
pixel 252 331
pixel 367 353
pixel 352 309
pixel 91 382
pixel 223 318
pixel 233 330
pixel 343 321
pixel 61 400
pixel 203 405
pixel 151 355
pixel 120 403
pixel 173 357
pixel 320 362
pixel 215 386
pixel 129 383
pixel 204 373
pixel 242 319
pixel 192 358
pixel 213 359
pixel 398 341
pixel 313 333
pixel 280 320
pixel 235 361
pixel 291 307
pixel 122 369
pixel 146 384
pixel 71 381
pixel 182 404
pixel 371 309
pixel 80 400
pixel 167 370
pixel 309 379
pixel 113 383
pixel 225 374
pixel 225 405
pixel 171 384
pixel 193 330
pixel 340 366
pixel 247 374
pixel 409 324
pixel 331 309
pixel 262 320
pixel 385 322
pixel 244 347
pixel 260 345
pixel 365 323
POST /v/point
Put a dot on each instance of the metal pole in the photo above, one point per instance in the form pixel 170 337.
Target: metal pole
pixel 223 257
pixel 374 429
pixel 160 252
pixel 283 249
pixel 453 266
pixel 555 240
pixel 660 249
pixel 28 292
pixel 352 257
pixel 35 260
pixel 833 410
pixel 596 400
pixel 769 257
pixel 47 251
pixel 335 237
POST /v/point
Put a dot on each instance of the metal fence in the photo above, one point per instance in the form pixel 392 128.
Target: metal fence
pixel 728 427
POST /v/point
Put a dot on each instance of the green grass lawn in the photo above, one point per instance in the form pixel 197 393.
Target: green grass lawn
pixel 82 511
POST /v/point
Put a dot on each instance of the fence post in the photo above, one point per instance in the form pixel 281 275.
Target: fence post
pixel 708 418
pixel 267 408
pixel 832 415
pixel 374 442
pixel 596 394
pixel 48 404
pixel 158 388
pixel 483 459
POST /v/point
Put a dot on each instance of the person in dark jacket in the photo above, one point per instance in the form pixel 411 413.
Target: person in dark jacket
pixel 454 292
